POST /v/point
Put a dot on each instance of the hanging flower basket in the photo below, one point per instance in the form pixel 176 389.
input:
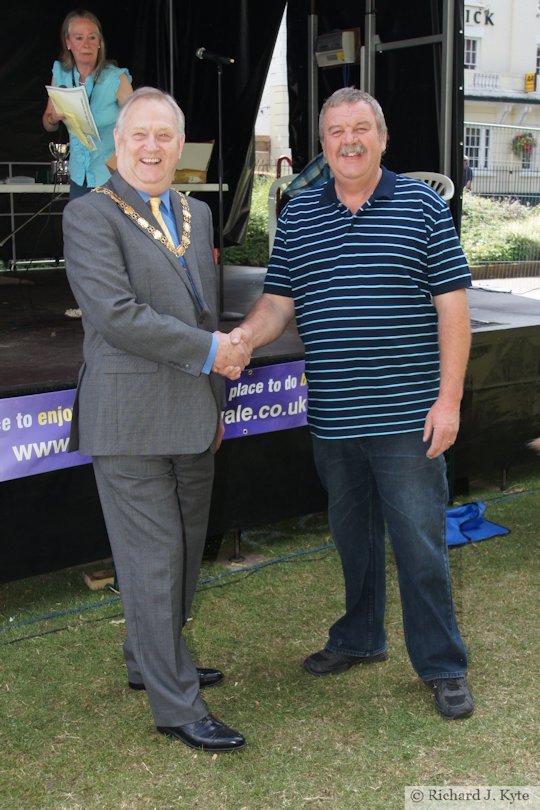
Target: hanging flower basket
pixel 523 144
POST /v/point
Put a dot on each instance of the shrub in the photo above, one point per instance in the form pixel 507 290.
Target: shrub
pixel 491 230
pixel 499 230
pixel 254 250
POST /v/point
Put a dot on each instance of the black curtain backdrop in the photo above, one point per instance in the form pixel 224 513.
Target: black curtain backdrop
pixel 137 37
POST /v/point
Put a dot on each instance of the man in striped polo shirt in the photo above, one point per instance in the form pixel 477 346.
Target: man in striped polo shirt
pixel 372 267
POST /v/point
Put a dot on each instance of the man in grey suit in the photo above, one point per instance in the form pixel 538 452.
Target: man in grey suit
pixel 149 400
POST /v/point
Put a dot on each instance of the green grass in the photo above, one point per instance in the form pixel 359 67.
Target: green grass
pixel 74 737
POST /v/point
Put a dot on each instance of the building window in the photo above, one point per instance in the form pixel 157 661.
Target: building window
pixel 471 54
pixel 527 160
pixel 477 146
pixel 538 58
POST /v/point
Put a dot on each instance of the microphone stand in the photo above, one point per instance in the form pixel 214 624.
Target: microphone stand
pixel 224 316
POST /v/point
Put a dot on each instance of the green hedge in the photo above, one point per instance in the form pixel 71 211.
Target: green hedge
pixel 499 231
pixel 491 231
pixel 254 251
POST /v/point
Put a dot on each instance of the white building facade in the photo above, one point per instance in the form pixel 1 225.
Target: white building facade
pixel 272 125
pixel 502 97
pixel 501 93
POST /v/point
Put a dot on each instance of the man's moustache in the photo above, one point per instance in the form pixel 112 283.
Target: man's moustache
pixel 348 151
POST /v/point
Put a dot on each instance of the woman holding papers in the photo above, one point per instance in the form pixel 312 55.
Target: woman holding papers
pixel 83 63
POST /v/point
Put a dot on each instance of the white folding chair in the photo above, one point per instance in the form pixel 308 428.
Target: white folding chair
pixel 440 183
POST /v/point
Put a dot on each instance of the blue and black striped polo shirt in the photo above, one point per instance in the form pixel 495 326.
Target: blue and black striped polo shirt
pixel 362 286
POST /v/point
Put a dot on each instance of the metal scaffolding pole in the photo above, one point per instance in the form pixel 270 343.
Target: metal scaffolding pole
pixel 447 61
pixel 171 49
pixel 445 39
pixel 367 61
pixel 313 85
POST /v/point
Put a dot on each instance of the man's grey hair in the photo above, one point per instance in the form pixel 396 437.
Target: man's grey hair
pixel 151 94
pixel 350 95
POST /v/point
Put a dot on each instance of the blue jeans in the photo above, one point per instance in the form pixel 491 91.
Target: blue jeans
pixel 388 479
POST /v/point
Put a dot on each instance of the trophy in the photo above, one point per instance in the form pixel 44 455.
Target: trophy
pixel 59 166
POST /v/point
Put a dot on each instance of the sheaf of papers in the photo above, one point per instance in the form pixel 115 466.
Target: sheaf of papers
pixel 72 102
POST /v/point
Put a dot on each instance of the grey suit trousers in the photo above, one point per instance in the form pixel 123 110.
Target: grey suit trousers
pixel 156 513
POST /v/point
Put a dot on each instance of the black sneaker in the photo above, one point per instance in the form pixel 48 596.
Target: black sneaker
pixel 326 662
pixel 452 697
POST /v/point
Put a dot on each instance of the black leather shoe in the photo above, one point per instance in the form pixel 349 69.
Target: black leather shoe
pixel 207 734
pixel 330 663
pixel 207 677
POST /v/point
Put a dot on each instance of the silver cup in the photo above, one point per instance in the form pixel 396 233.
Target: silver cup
pixel 59 166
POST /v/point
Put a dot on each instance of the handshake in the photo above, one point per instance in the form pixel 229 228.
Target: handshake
pixel 233 352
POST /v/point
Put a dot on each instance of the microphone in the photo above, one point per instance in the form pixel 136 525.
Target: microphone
pixel 202 53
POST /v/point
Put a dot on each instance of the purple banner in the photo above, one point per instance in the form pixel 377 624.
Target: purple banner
pixel 265 399
pixel 34 430
pixel 34 434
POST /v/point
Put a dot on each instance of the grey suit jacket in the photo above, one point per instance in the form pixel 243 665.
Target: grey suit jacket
pixel 146 337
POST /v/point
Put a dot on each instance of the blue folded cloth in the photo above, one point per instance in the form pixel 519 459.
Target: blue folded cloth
pixel 466 524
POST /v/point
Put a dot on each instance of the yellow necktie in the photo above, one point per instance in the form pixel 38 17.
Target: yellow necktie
pixel 155 203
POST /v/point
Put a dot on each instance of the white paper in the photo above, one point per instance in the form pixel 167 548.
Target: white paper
pixel 73 104
pixel 195 156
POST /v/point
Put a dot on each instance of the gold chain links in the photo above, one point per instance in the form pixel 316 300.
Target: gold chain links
pixel 146 226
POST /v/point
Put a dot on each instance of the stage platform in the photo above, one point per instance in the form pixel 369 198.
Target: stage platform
pixel 41 347
pixel 54 520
